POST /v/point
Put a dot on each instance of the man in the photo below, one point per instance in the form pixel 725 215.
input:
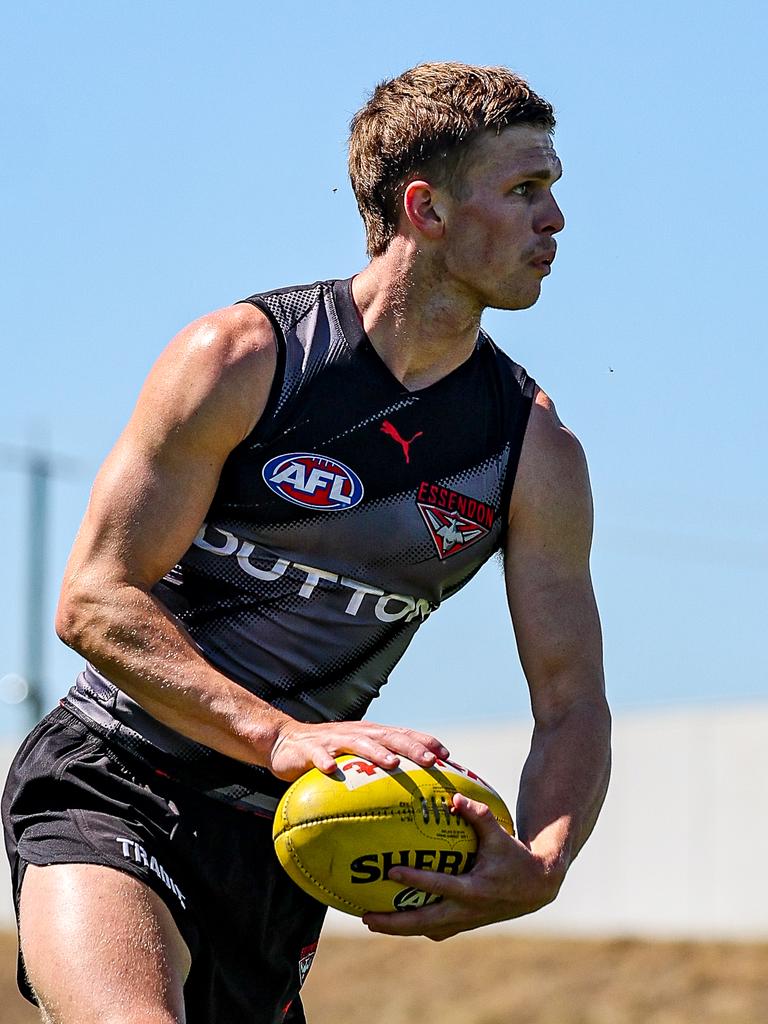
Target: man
pixel 307 474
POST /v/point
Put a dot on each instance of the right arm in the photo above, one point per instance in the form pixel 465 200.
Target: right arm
pixel 202 398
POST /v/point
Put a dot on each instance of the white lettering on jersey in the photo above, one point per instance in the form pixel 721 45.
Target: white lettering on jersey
pixel 293 474
pixel 228 548
pixel 408 606
pixel 246 550
pixel 336 494
pixel 313 578
pixel 317 478
pixel 388 607
pixel 360 590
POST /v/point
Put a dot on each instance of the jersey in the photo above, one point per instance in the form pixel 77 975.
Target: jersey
pixel 346 517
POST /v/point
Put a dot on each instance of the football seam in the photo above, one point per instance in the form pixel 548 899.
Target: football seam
pixel 379 813
pixel 318 884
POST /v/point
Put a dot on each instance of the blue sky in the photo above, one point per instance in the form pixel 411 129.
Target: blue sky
pixel 162 159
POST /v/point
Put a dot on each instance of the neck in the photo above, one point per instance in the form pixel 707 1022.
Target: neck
pixel 420 327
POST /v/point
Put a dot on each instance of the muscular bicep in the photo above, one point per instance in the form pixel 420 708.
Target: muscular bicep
pixel 549 587
pixel 201 399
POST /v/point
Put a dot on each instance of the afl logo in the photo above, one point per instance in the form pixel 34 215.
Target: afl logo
pixel 313 481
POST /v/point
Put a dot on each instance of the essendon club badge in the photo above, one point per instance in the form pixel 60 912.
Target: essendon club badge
pixel 306 957
pixel 454 520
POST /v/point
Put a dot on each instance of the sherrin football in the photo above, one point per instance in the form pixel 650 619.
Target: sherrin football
pixel 338 835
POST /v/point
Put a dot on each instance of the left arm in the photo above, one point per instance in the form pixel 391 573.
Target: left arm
pixel 565 777
pixel 553 609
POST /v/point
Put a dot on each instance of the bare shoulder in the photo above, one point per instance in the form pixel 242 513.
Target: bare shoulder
pixel 230 331
pixel 218 368
pixel 552 494
pixel 233 338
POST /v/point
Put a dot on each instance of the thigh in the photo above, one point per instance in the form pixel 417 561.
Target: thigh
pixel 71 813
pixel 258 930
pixel 250 931
pixel 100 946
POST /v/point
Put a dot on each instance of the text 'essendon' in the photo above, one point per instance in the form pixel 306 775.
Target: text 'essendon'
pixel 452 501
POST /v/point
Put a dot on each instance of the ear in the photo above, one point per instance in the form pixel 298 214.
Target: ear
pixel 422 208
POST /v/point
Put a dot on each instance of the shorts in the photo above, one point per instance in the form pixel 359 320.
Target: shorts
pixel 251 932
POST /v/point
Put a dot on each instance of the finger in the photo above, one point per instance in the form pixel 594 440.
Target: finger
pixel 418 746
pixel 434 882
pixel 405 929
pixel 410 922
pixel 480 817
pixel 386 749
pixel 431 743
pixel 324 761
pixel 421 749
pixel 372 750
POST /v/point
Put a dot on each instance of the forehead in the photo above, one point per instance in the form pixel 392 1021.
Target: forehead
pixel 520 149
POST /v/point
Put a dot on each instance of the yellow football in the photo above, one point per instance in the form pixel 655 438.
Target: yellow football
pixel 338 835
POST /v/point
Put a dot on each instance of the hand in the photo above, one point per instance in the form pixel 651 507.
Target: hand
pixel 507 881
pixel 301 746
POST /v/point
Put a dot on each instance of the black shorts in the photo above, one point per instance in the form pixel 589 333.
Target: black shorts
pixel 250 931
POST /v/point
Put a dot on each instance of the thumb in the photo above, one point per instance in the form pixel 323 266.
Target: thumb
pixel 480 817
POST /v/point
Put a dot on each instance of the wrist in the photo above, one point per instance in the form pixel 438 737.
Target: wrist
pixel 552 872
pixel 552 860
pixel 250 727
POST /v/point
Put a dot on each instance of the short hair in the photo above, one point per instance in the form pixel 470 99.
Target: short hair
pixel 426 120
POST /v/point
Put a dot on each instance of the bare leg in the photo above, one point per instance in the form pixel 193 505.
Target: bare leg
pixel 100 947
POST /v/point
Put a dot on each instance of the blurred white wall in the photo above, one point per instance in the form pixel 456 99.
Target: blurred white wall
pixel 682 845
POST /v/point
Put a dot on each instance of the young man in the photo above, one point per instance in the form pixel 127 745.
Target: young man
pixel 307 475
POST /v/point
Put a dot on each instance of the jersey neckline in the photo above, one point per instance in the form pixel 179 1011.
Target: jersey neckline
pixel 354 332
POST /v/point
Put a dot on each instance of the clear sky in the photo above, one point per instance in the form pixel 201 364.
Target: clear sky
pixel 161 159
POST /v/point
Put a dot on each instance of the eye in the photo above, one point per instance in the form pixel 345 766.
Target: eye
pixel 523 189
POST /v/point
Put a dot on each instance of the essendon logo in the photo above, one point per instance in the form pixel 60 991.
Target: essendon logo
pixel 306 957
pixel 454 521
pixel 313 481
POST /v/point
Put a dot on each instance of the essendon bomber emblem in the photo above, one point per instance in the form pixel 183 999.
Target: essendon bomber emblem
pixel 454 521
pixel 306 957
pixel 314 481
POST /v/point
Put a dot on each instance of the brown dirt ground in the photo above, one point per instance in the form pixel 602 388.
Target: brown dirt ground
pixel 498 979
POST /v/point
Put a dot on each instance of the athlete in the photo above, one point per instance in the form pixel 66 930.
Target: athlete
pixel 307 475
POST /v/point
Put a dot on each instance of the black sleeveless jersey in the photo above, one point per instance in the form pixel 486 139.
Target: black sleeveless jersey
pixel 343 520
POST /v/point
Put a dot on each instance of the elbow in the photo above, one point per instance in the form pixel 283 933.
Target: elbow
pixel 75 617
pixel 68 621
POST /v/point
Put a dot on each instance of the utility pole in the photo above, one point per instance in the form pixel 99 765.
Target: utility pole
pixel 39 467
pixel 39 472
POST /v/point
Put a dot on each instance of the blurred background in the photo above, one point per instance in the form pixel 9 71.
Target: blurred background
pixel 164 159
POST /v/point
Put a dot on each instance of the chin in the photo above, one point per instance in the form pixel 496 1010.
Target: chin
pixel 524 301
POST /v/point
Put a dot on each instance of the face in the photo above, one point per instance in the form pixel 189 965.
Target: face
pixel 498 240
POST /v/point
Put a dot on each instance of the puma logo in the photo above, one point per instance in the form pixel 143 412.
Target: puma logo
pixel 392 431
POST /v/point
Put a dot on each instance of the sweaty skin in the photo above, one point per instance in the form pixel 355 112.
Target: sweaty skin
pixel 421 303
pixel 202 398
pixel 558 635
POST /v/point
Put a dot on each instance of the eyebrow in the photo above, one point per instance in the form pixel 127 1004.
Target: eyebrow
pixel 542 175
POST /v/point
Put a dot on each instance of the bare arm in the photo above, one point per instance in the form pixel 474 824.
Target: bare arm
pixel 203 397
pixel 558 635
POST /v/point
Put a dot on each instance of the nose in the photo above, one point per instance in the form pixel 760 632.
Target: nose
pixel 552 219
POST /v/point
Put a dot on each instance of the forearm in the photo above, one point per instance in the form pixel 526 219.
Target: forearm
pixel 562 789
pixel 130 637
pixel 564 782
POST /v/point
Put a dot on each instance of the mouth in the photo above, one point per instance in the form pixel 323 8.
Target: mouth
pixel 544 260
